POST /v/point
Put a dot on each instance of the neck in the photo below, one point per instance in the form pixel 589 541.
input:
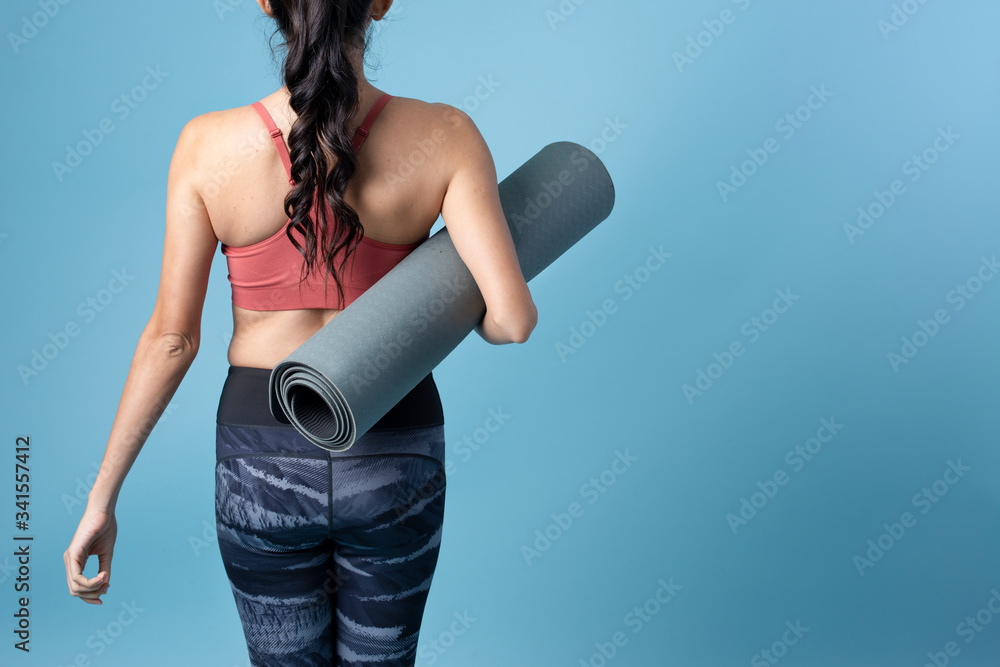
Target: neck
pixel 367 93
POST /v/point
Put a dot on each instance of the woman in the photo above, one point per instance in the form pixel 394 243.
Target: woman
pixel 330 556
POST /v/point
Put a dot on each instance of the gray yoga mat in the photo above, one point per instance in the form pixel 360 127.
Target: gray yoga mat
pixel 350 373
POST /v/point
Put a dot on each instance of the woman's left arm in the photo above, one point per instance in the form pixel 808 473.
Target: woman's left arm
pixel 169 343
pixel 165 351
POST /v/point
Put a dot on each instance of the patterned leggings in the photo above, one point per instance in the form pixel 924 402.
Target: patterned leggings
pixel 330 556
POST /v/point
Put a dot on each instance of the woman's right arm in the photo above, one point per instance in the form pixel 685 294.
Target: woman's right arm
pixel 165 351
pixel 473 214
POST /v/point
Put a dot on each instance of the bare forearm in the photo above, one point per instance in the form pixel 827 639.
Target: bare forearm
pixel 158 366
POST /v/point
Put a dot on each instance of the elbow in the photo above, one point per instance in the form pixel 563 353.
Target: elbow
pixel 521 331
pixel 521 336
pixel 509 327
pixel 177 344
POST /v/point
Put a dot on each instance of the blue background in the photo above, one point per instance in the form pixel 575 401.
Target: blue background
pixel 682 128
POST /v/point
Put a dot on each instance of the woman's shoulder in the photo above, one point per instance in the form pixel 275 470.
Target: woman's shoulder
pixel 412 117
pixel 235 118
pixel 221 140
pixel 215 142
pixel 213 130
pixel 239 125
pixel 429 108
pixel 441 123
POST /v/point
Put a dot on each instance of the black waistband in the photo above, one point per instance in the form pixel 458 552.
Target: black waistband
pixel 244 400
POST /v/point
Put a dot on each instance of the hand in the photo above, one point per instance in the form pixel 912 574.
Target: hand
pixel 95 535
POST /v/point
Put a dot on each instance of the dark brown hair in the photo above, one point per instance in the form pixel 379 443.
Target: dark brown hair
pixel 323 86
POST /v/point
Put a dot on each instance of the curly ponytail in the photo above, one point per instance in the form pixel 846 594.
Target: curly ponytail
pixel 323 87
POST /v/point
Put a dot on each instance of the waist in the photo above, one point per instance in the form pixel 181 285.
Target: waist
pixel 244 402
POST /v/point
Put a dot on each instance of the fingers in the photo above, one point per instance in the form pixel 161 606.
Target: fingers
pixel 84 584
pixel 73 569
pixel 87 589
pixel 80 585
pixel 104 566
pixel 90 590
pixel 76 559
pixel 92 598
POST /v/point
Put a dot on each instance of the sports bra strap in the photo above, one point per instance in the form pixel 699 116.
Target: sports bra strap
pixel 366 125
pixel 279 142
pixel 276 137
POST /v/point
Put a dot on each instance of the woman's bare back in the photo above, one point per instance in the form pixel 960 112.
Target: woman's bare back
pixel 404 167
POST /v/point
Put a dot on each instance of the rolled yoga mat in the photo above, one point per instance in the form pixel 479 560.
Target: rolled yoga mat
pixel 351 372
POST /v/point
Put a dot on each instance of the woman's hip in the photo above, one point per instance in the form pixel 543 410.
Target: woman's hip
pixel 245 425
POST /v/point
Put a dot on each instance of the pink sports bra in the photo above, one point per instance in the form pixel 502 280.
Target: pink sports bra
pixel 265 275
